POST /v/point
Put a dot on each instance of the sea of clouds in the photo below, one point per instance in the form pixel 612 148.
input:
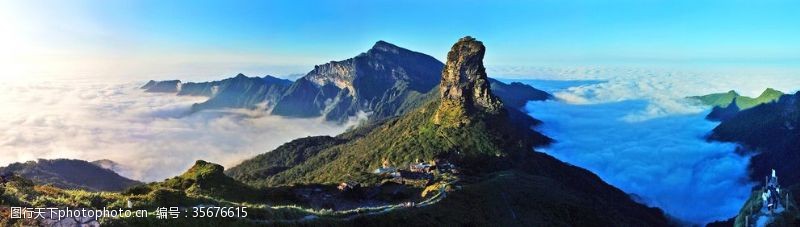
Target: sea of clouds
pixel 635 130
pixel 632 127
pixel 149 134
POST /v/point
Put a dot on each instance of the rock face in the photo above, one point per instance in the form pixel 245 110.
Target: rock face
pixel 464 88
pixel 380 81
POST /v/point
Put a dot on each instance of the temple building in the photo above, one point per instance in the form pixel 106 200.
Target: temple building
pixel 771 195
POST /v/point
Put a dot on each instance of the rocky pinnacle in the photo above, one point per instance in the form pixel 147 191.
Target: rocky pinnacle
pixel 465 87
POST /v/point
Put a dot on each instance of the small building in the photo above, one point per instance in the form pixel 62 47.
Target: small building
pixel 383 170
pixel 386 168
pixel 771 195
pixel 348 186
pixel 421 167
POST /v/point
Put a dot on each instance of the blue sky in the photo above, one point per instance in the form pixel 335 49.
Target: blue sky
pixel 208 38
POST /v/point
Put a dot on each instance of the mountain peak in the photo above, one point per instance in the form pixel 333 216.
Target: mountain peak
pixel 770 91
pixel 383 46
pixel 202 169
pixel 465 87
pixel 205 178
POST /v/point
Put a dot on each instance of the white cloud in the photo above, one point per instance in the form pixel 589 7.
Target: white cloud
pixel 639 133
pixel 664 160
pixel 148 134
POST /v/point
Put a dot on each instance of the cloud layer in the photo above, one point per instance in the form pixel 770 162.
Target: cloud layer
pixel 664 161
pixel 147 133
pixel 637 132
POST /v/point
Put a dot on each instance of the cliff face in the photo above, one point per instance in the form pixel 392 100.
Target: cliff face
pixel 379 81
pixel 464 88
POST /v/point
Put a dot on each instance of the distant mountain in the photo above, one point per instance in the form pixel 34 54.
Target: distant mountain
pixel 386 81
pixel 108 164
pixel 71 174
pixel 381 81
pixel 167 86
pixel 244 92
pixel 517 94
pixel 743 102
pixel 235 92
pixel 773 131
pixel 504 182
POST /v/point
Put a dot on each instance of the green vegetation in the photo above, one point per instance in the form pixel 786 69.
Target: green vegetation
pixel 401 141
pixel 282 158
pixel 514 198
pixel 790 217
pixel 17 191
pixel 70 174
pixel 773 130
pixel 743 102
pixel 770 129
pixel 208 179
pixel 501 180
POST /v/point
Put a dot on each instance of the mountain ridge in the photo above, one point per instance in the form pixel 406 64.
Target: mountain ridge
pixel 70 174
pixel 383 82
pixel 743 102
pixel 772 131
pixel 384 74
